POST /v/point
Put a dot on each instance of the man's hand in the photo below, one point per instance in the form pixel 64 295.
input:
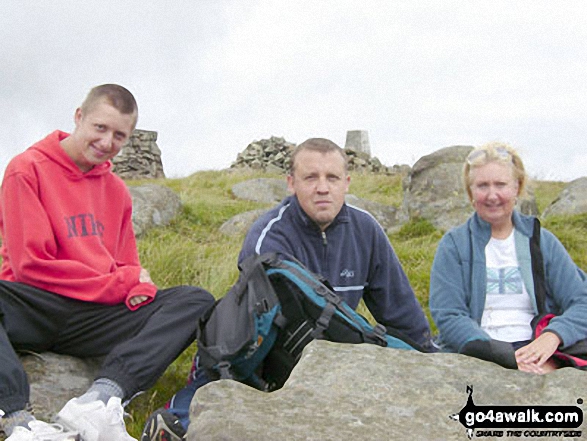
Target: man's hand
pixel 535 356
pixel 144 277
pixel 134 301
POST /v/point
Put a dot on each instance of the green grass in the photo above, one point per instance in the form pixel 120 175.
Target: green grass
pixel 192 251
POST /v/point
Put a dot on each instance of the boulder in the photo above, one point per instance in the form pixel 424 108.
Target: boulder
pixel 241 223
pixel 153 206
pixel 389 217
pixel 55 379
pixel 264 190
pixel 434 190
pixel 572 200
pixel 366 392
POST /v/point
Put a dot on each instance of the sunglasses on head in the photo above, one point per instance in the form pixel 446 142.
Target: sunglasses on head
pixel 500 152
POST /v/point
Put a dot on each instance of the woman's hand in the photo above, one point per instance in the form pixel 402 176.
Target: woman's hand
pixel 535 356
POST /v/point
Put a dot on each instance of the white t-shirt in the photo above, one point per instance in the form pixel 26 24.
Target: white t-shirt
pixel 508 309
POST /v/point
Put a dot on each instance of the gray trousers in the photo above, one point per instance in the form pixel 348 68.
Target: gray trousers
pixel 138 345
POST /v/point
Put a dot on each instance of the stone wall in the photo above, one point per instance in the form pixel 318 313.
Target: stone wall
pixel 274 154
pixel 140 157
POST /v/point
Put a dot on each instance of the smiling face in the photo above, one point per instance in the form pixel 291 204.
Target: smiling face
pixel 320 182
pixel 494 191
pixel 100 132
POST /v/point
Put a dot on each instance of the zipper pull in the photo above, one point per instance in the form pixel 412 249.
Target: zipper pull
pixel 324 240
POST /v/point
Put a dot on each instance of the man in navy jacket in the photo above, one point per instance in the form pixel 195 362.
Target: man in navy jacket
pixel 344 244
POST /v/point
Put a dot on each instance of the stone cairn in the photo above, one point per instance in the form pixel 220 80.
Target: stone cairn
pixel 271 155
pixel 274 155
pixel 140 157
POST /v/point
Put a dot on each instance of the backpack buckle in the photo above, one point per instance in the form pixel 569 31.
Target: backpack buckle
pixel 224 370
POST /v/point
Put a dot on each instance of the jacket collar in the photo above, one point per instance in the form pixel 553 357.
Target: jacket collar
pixel 522 223
pixel 304 219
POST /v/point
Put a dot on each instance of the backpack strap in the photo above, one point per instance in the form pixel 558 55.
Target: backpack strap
pixel 538 268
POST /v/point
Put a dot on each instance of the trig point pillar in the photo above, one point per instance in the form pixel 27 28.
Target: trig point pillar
pixel 358 141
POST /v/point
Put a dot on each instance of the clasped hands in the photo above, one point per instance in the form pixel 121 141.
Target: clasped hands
pixel 535 357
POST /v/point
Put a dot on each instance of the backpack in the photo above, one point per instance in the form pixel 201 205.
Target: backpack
pixel 255 334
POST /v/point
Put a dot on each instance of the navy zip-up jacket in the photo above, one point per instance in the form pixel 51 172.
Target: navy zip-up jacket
pixel 353 254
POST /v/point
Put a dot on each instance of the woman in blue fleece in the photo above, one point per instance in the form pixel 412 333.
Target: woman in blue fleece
pixel 482 286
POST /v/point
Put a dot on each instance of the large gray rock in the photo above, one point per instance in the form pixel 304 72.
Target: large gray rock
pixel 241 223
pixel 153 206
pixel 389 217
pixel 434 189
pixel 266 190
pixel 366 392
pixel 55 379
pixel 572 200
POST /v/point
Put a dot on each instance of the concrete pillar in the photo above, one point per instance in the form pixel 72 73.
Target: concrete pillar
pixel 358 140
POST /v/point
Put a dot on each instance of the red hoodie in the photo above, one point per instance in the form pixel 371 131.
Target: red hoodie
pixel 66 231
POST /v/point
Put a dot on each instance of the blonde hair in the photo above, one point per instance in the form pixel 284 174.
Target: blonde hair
pixel 495 152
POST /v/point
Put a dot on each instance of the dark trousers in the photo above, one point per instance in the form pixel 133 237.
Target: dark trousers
pixel 138 345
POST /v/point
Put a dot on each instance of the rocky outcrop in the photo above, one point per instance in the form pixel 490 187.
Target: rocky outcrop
pixel 572 200
pixel 140 157
pixel 153 206
pixel 434 190
pixel 55 379
pixel 366 392
pixel 274 155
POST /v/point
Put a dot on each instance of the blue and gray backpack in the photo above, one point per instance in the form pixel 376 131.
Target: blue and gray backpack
pixel 255 334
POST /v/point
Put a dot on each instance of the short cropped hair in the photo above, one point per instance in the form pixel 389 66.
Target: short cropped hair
pixel 117 96
pixel 321 145
pixel 495 152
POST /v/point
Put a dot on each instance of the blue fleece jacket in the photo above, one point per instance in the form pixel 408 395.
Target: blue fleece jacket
pixel 353 254
pixel 458 282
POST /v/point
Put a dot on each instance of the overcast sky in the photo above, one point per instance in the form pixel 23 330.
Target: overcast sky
pixel 211 76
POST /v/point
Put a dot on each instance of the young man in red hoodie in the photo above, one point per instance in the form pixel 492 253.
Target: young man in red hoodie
pixel 71 281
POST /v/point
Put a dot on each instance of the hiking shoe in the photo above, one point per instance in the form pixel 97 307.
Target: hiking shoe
pixel 40 431
pixel 95 421
pixel 163 426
